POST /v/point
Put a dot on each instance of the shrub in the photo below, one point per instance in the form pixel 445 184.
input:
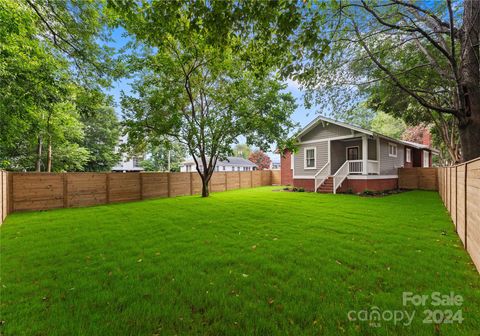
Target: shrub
pixel 294 189
pixel 286 188
pixel 301 189
pixel 369 192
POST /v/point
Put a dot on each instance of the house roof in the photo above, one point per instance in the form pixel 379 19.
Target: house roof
pixel 321 118
pixel 230 161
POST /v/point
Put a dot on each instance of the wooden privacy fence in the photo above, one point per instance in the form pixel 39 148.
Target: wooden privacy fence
pixel 459 188
pixel 418 178
pixel 3 195
pixel 41 191
pixel 276 177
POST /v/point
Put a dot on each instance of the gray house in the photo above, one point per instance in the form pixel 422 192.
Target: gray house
pixel 335 156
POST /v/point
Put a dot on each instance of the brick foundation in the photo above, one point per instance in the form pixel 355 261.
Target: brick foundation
pixel 357 186
pixel 307 184
pixel 372 184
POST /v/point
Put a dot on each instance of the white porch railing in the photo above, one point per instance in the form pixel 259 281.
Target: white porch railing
pixel 355 166
pixel 340 175
pixel 322 175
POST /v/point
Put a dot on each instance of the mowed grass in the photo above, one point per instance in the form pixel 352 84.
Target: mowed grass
pixel 245 262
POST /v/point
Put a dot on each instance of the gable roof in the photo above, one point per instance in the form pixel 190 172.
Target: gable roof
pixel 321 118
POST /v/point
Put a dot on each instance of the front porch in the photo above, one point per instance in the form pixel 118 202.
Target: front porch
pixel 349 156
pixel 361 153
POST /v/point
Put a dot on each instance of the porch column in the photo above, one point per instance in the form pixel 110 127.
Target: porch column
pixel 378 155
pixel 364 154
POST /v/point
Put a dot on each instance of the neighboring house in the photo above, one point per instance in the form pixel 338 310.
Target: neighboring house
pixel 127 163
pixel 275 165
pixel 335 156
pixel 232 163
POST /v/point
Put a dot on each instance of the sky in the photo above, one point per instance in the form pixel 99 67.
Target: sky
pixel 301 115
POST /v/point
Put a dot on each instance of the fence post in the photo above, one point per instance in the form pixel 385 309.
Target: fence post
pixel 140 176
pixel 226 180
pixel 447 189
pixel 251 178
pixel 107 187
pixel 191 183
pixel 456 197
pixel 450 185
pixel 65 190
pixel 466 216
pixel 10 193
pixel 168 184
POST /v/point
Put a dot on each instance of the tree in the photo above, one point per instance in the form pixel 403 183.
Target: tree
pixel 242 150
pixel 360 115
pixel 261 159
pixel 166 157
pixel 74 30
pixel 102 133
pixel 415 133
pixel 201 87
pixel 424 54
pixel 387 125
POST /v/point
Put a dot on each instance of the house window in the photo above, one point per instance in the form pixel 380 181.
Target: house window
pixel 426 159
pixel 310 158
pixel 136 161
pixel 408 155
pixel 223 168
pixel 392 150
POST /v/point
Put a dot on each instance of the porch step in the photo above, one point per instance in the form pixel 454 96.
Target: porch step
pixel 326 187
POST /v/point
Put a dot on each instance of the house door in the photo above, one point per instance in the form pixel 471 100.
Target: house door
pixel 352 153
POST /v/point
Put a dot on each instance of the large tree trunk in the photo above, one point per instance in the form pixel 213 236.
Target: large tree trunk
pixel 470 139
pixel 38 162
pixel 469 125
pixel 205 180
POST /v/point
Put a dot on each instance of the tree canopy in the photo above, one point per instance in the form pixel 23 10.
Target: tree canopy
pixel 416 60
pixel 43 95
pixel 203 86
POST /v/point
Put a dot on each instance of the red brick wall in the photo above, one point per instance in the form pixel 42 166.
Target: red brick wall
pixel 373 184
pixel 307 184
pixel 286 172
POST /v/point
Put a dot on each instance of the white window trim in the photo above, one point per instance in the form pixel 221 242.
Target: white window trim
pixel 396 149
pixel 314 158
pixel 408 155
pixel 358 151
pixel 426 154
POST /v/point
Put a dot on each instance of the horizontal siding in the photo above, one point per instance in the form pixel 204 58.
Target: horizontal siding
pixel 325 131
pixel 388 164
pixel 321 159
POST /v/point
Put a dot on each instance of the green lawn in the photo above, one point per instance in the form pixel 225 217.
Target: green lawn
pixel 238 263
